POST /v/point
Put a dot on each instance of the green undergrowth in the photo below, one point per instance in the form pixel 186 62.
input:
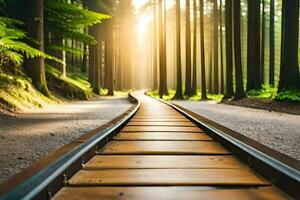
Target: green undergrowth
pixel 18 93
pixel 289 95
pixel 74 86
pixel 271 93
pixel 266 92
pixel 155 94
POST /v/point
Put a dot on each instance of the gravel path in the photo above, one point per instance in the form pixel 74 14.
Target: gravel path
pixel 28 137
pixel 276 130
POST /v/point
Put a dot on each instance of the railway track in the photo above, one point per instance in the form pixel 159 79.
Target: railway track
pixel 160 151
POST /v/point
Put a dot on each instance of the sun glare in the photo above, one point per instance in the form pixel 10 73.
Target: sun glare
pixel 142 25
pixel 140 3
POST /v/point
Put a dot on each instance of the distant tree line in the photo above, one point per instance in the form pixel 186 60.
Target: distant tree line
pixel 218 34
pixel 87 36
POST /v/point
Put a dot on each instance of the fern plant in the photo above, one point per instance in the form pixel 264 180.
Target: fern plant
pixel 70 19
pixel 11 46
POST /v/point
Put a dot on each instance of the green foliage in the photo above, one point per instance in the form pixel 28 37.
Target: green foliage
pixel 70 20
pixel 289 95
pixel 11 46
pixel 215 97
pixel 155 94
pixel 266 92
pixel 17 92
pixel 76 86
pixel 75 51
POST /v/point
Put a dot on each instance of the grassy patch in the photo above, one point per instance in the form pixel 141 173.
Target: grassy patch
pixel 17 92
pixel 271 92
pixel 215 97
pixel 289 95
pixel 74 86
pixel 155 94
pixel 266 92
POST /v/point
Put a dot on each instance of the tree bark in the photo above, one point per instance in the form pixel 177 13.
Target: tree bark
pixel 221 48
pixel 188 73
pixel 215 47
pixel 36 66
pixel 58 40
pixel 178 94
pixel 109 56
pixel 203 73
pixel 155 81
pixel 92 59
pixel 194 81
pixel 253 50
pixel 262 56
pixel 289 70
pixel 229 62
pixel 84 59
pixel 162 60
pixel 239 93
pixel 272 43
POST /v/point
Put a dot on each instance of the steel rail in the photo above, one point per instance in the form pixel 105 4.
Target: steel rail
pixel 269 165
pixel 37 184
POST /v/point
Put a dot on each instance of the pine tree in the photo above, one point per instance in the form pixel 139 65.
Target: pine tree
pixel 239 92
pixel 289 69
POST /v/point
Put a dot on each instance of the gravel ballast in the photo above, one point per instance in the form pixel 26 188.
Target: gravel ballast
pixel 278 131
pixel 28 137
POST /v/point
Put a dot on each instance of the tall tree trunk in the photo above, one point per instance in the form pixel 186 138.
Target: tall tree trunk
pixel 155 81
pixel 36 66
pixel 215 47
pixel 239 93
pixel 92 58
pixel 109 57
pixel 57 39
pixel 221 48
pixel 210 60
pixel 97 60
pixel 272 43
pixel 253 53
pixel 178 94
pixel 162 60
pixel 229 50
pixel 84 63
pixel 165 49
pixel 203 80
pixel 188 73
pixel 289 69
pixel 194 82
pixel 262 56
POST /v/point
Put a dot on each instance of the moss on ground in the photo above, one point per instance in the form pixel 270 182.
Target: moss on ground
pixel 155 94
pixel 18 93
pixel 74 86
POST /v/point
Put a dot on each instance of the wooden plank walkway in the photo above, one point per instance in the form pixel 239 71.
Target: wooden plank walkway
pixel 160 154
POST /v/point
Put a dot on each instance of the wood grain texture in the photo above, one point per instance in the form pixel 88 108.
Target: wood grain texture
pixel 170 177
pixel 163 147
pixel 163 136
pixel 161 129
pixel 158 120
pixel 163 162
pixel 174 124
pixel 170 193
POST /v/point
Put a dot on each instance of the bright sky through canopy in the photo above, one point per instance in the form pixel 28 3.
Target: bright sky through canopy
pixel 140 3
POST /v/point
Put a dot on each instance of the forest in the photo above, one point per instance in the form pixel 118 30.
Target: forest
pixel 188 49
